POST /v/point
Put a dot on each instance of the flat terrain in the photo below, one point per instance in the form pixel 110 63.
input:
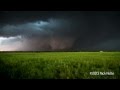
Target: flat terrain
pixel 59 65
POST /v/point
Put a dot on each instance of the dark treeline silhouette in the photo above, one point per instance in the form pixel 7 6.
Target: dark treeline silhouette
pixel 59 51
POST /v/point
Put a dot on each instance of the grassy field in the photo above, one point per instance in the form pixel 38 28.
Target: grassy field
pixel 59 65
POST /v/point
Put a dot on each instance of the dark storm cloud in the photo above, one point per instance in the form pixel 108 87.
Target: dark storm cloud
pixel 41 35
pixel 112 44
pixel 35 28
pixel 62 30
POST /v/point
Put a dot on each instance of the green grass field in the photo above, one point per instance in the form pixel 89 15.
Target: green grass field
pixel 59 65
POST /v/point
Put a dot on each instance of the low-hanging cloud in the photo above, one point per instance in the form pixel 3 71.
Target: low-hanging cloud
pixel 73 30
pixel 33 28
pixel 39 35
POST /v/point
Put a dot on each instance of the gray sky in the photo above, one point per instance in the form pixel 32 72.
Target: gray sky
pixel 59 30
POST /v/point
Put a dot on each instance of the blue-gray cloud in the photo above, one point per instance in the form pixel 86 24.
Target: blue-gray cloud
pixel 34 28
pixel 74 30
pixel 39 35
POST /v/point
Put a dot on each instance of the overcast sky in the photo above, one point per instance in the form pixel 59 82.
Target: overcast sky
pixel 59 30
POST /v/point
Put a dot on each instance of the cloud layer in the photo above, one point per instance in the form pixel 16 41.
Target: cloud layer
pixel 35 36
pixel 59 30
